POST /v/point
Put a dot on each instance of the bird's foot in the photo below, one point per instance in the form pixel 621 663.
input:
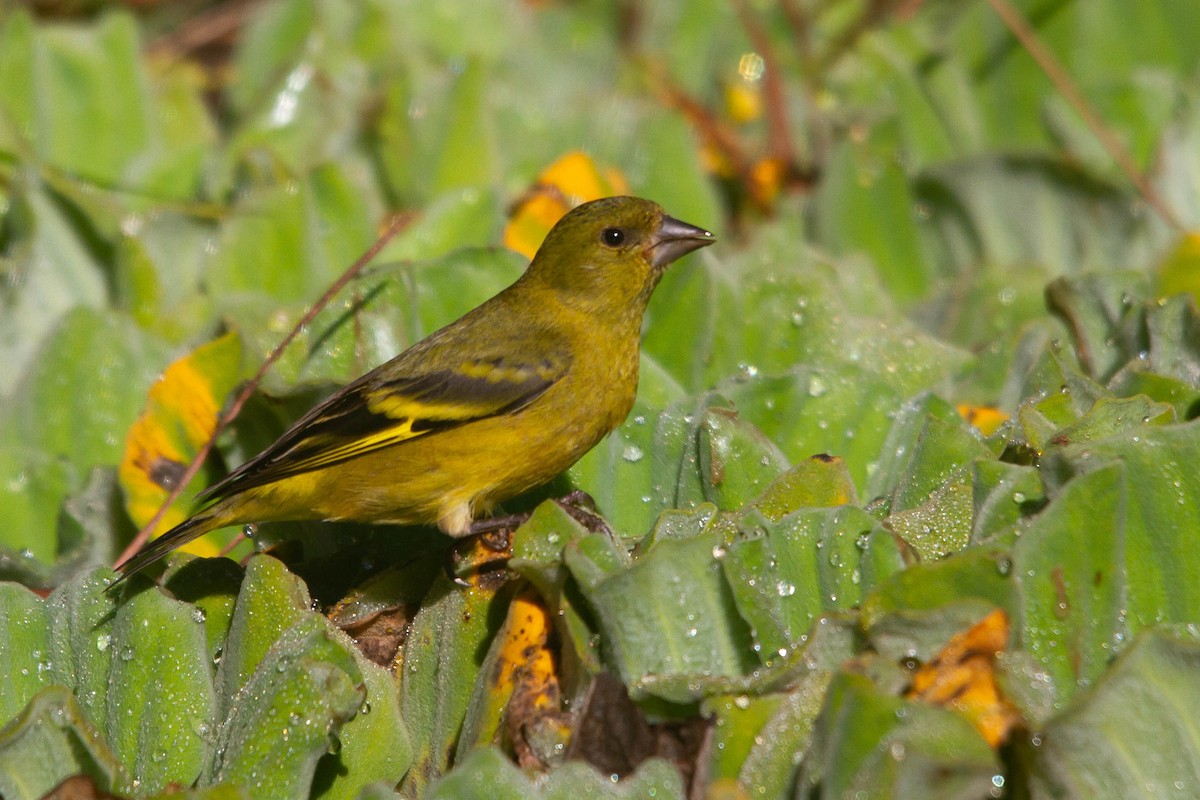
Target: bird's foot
pixel 494 534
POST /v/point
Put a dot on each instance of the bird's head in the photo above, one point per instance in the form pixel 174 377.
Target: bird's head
pixel 608 255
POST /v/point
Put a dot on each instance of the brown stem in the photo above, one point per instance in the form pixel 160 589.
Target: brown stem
pixel 779 137
pixel 212 25
pixel 1024 33
pixel 875 11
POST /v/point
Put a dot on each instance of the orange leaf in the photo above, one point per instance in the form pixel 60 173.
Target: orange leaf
pixel 963 677
pixel 766 179
pixel 566 183
pixel 179 417
pixel 985 419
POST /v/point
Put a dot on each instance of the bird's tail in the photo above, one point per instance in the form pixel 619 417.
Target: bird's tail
pixel 192 527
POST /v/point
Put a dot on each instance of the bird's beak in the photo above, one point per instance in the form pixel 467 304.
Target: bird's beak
pixel 674 239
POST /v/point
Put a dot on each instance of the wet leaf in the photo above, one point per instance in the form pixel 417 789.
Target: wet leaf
pixel 488 773
pixel 1130 735
pixel 783 574
pixel 437 668
pixel 868 741
pixel 50 740
pixel 289 712
pixel 668 613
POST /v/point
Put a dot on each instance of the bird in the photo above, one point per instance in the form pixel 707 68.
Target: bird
pixel 491 406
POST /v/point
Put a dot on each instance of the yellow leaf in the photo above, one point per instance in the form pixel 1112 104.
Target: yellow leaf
pixel 524 656
pixel 566 183
pixel 743 101
pixel 963 677
pixel 525 679
pixel 180 415
pixel 985 419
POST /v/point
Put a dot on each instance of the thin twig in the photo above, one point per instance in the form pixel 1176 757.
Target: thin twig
pixel 819 134
pixel 871 16
pixel 711 127
pixel 1024 33
pixel 398 223
pixel 798 19
pixel 779 136
pixel 203 29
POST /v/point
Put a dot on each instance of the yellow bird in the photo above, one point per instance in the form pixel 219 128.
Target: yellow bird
pixel 494 404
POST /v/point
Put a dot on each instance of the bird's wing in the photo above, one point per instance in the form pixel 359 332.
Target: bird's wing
pixel 381 410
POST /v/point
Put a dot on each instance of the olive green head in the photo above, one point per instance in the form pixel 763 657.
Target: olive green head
pixel 609 254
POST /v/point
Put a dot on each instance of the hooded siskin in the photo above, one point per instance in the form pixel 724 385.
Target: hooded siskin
pixel 494 404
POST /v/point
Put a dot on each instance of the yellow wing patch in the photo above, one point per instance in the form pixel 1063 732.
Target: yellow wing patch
pixel 373 414
pixel 334 450
pixel 477 388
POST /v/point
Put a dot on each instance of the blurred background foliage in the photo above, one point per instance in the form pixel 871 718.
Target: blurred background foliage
pixel 958 246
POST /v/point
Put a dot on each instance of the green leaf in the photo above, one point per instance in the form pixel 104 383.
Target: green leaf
pixel 24 638
pixel 303 85
pixel 1030 209
pixel 1161 561
pixel 50 740
pixel 865 205
pixel 931 505
pixel 1067 565
pixel 756 739
pixel 488 773
pixel 786 573
pixel 737 462
pixel 941 455
pixel 460 219
pixel 271 601
pixel 375 745
pixel 57 272
pixel 160 708
pixel 976 573
pixel 1112 416
pixel 1132 734
pixel 868 741
pixel 669 613
pixel 140 671
pixel 466 157
pixel 288 714
pixel 844 412
pixel 74 406
pixel 908 424
pixel 1002 495
pixel 818 482
pixel 211 585
pixel 58 75
pixel 291 241
pixel 445 645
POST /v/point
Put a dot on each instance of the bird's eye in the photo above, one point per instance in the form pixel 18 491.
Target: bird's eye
pixel 613 237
